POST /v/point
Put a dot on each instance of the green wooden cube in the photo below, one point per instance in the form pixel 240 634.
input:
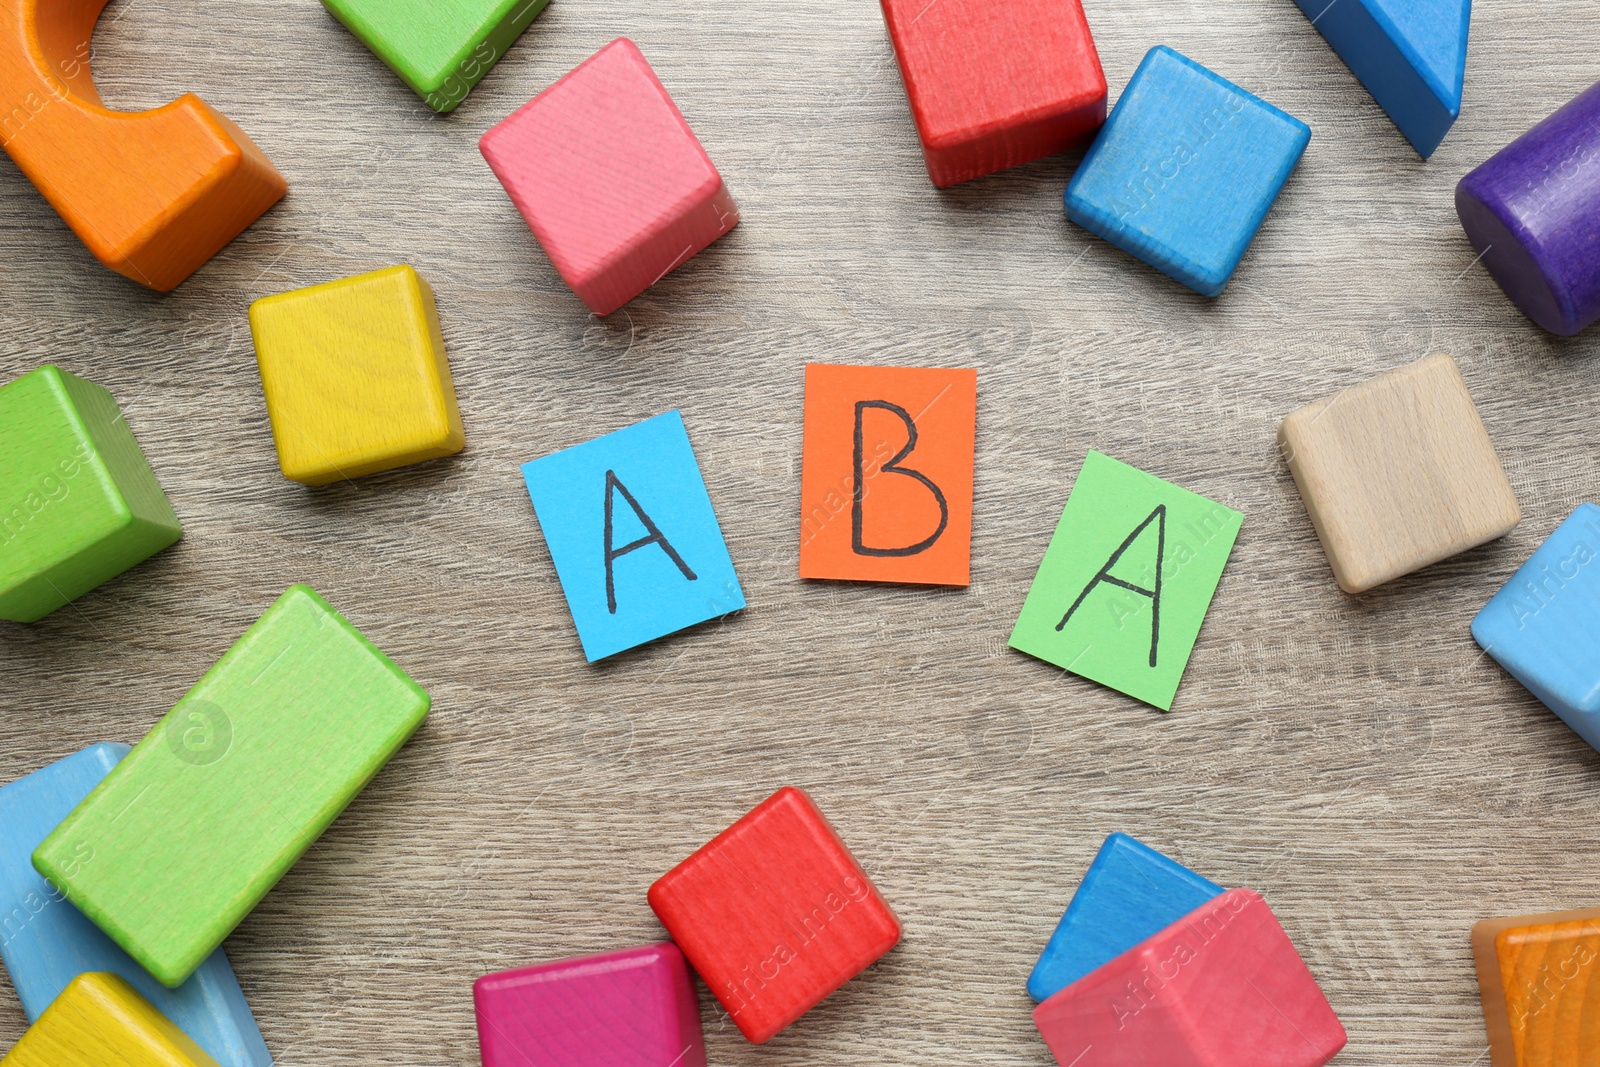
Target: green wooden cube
pixel 78 502
pixel 179 842
pixel 441 48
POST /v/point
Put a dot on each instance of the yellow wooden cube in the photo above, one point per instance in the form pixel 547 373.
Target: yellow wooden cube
pixel 356 377
pixel 100 1020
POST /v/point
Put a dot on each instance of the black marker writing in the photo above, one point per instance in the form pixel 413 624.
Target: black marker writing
pixel 653 536
pixel 1159 517
pixel 891 467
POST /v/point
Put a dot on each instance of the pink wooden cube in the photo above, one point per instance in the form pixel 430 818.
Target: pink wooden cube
pixel 1221 987
pixel 611 179
pixel 632 1008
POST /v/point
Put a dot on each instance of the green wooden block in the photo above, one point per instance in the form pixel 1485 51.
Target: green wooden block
pixel 78 503
pixel 441 48
pixel 176 846
pixel 1127 580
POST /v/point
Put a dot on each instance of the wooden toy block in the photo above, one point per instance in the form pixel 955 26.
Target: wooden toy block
pixel 1410 54
pixel 610 178
pixel 219 800
pixel 441 48
pixel 1185 171
pixel 1536 976
pixel 46 942
pixel 78 502
pixel 775 914
pixel 633 536
pixel 1533 214
pixel 100 1020
pixel 886 483
pixel 1127 580
pixel 1543 626
pixel 356 377
pixel 632 1008
pixel 1398 473
pixel 1131 893
pixel 1221 987
pixel 153 194
pixel 995 85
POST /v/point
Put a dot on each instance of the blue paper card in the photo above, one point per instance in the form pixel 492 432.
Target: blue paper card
pixel 1544 625
pixel 1185 170
pixel 633 536
pixel 1131 893
pixel 46 942
pixel 1410 54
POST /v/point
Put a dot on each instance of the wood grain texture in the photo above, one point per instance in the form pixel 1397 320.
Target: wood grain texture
pixel 99 1020
pixel 1398 473
pixel 1357 760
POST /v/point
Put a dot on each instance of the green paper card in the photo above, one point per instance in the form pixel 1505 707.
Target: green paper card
pixel 1127 580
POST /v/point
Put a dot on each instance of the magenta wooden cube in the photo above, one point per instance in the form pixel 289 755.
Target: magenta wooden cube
pixel 610 178
pixel 1533 214
pixel 631 1008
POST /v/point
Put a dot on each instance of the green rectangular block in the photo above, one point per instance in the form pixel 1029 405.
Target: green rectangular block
pixel 441 48
pixel 78 502
pixel 1127 580
pixel 219 800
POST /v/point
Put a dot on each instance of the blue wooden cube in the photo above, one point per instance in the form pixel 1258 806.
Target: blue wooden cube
pixel 1131 893
pixel 46 942
pixel 1185 170
pixel 1544 625
pixel 1410 54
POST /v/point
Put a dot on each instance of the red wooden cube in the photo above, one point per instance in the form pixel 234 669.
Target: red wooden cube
pixel 1221 987
pixel 775 914
pixel 609 176
pixel 996 83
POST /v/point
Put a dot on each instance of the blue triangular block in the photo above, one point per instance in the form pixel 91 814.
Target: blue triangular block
pixel 1131 893
pixel 1410 54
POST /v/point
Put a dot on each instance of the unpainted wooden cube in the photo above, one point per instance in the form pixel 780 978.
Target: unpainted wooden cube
pixel 1398 473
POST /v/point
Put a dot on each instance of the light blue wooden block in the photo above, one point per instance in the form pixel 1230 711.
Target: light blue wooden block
pixel 1410 54
pixel 46 942
pixel 1185 170
pixel 1544 625
pixel 1131 893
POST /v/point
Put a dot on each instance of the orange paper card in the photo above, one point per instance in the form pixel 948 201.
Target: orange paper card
pixel 886 485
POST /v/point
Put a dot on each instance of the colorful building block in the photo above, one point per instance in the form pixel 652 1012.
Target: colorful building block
pixel 1132 892
pixel 633 536
pixel 153 194
pixel 1398 473
pixel 1185 171
pixel 1543 626
pixel 100 1020
pixel 775 914
pixel 1533 214
pixel 355 376
pixel 1221 987
pixel 219 800
pixel 610 178
pixel 46 942
pixel 78 502
pixel 1410 54
pixel 886 483
pixel 632 1008
pixel 1127 580
pixel 994 85
pixel 441 48
pixel 1536 976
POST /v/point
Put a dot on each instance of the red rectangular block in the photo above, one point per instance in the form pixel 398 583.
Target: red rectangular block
pixel 996 83
pixel 775 914
pixel 1221 987
pixel 610 178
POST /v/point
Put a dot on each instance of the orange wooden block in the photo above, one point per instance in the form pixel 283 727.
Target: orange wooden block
pixel 1541 1002
pixel 154 194
pixel 886 483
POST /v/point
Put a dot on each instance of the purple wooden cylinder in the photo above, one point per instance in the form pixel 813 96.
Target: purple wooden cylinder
pixel 1533 214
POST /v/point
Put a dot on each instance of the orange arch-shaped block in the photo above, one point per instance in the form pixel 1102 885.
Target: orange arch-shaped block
pixel 154 194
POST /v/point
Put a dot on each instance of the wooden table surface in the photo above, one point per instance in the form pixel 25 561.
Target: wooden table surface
pixel 1355 759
